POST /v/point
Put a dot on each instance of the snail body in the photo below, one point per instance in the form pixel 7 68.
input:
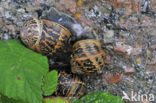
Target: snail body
pixel 87 57
pixel 70 85
pixel 44 36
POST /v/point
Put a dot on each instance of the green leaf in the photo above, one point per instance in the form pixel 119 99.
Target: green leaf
pixel 4 99
pixel 75 100
pixel 50 83
pixel 21 72
pixel 55 100
pixel 99 97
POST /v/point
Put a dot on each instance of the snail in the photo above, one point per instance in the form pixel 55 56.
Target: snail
pixel 87 57
pixel 46 37
pixel 70 85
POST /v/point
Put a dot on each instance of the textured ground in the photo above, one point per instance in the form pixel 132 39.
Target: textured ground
pixel 126 29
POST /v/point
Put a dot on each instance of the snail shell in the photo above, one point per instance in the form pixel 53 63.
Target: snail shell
pixel 45 37
pixel 87 57
pixel 70 85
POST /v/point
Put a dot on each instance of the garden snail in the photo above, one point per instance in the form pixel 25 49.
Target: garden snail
pixel 45 37
pixel 70 85
pixel 87 57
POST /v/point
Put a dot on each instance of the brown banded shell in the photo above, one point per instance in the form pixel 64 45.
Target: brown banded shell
pixel 45 37
pixel 70 85
pixel 87 57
